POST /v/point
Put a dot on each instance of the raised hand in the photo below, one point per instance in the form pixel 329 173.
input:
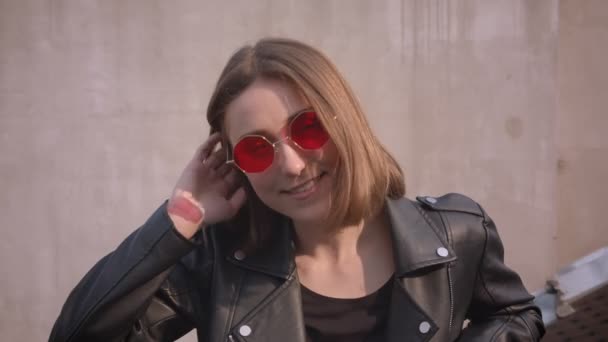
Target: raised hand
pixel 208 190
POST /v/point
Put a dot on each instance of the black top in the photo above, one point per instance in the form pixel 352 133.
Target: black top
pixel 346 319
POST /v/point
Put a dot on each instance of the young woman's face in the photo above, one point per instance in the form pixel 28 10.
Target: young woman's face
pixel 298 183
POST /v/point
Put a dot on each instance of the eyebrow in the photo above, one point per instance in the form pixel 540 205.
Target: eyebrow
pixel 265 132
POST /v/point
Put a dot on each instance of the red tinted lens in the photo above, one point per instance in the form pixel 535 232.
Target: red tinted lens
pixel 308 132
pixel 253 154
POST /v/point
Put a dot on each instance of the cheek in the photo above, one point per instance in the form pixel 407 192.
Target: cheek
pixel 262 184
pixel 329 155
pixel 326 156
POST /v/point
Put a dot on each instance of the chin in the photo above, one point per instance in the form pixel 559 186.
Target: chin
pixel 310 207
pixel 304 213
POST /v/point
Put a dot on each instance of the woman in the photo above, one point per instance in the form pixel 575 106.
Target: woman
pixel 289 224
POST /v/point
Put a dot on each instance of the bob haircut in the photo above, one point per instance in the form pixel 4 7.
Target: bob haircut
pixel 365 173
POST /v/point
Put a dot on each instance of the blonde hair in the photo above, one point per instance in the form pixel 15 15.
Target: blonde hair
pixel 366 173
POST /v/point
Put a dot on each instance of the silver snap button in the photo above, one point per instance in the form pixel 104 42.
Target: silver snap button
pixel 431 200
pixel 239 255
pixel 442 252
pixel 424 327
pixel 245 330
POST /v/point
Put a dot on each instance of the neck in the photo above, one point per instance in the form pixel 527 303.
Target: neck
pixel 317 241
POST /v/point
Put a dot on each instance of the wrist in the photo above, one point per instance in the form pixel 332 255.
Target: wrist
pixel 187 215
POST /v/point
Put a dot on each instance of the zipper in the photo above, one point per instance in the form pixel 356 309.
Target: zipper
pixel 232 306
pixel 451 299
pixel 448 236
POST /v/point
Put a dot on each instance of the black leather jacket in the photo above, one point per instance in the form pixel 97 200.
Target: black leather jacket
pixel 156 286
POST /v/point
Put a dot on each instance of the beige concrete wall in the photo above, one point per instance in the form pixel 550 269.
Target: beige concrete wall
pixel 481 108
pixel 582 125
pixel 101 105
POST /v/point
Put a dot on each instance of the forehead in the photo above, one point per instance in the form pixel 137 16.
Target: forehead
pixel 264 106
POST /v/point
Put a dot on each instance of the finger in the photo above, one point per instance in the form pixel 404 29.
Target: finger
pixel 207 147
pixel 238 198
pixel 224 169
pixel 216 159
pixel 232 180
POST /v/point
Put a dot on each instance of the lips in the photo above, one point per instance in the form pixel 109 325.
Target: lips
pixel 304 187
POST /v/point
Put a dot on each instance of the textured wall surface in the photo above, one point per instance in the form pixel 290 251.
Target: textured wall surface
pixel 582 125
pixel 102 102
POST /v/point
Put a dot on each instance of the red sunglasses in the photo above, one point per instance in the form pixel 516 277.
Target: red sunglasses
pixel 255 153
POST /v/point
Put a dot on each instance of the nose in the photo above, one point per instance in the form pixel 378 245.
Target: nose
pixel 290 159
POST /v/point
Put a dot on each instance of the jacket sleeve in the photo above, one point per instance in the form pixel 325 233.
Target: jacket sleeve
pixel 501 309
pixel 132 294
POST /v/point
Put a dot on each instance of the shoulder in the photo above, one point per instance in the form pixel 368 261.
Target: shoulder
pixel 452 202
pixel 466 223
pixel 462 217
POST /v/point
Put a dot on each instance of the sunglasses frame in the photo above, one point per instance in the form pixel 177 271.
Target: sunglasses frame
pixel 274 144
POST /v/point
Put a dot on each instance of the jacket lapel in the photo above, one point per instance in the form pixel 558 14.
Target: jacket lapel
pixel 269 297
pixel 277 317
pixel 419 247
pixel 268 302
pixel 406 320
pixel 277 260
pixel 416 240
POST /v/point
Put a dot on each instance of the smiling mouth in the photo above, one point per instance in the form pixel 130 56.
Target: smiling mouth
pixel 304 187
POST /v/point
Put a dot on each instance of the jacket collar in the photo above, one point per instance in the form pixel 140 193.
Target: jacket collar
pixel 277 259
pixel 417 241
pixel 416 244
